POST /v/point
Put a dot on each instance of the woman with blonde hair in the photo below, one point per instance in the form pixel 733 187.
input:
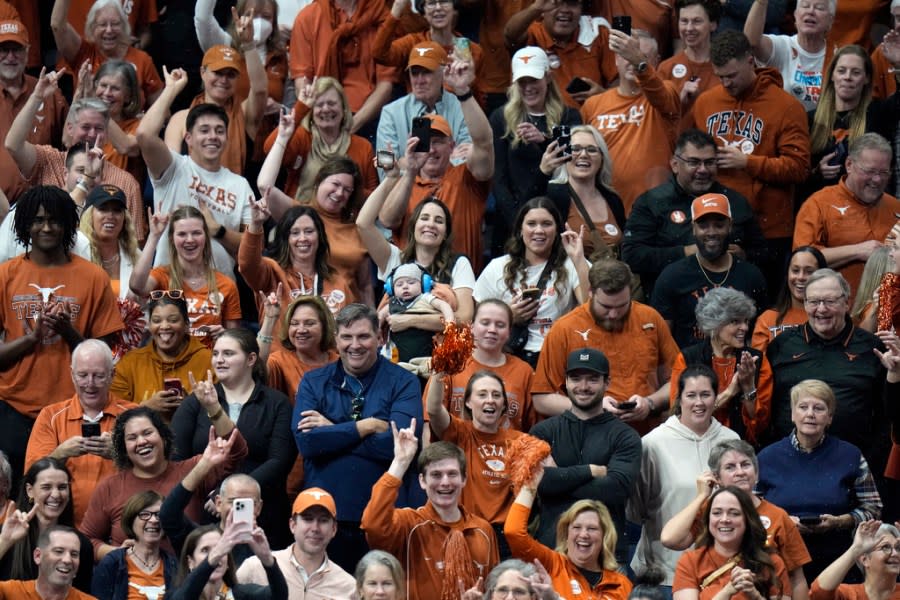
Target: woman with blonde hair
pixel 863 310
pixel 523 127
pixel 585 554
pixel 107 225
pixel 215 303
pixel 316 131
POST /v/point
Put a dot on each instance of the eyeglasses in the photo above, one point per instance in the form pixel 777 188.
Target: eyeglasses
pixel 505 592
pixel 887 549
pixel 91 377
pixel 591 150
pixel 826 302
pixel 11 49
pixel 356 406
pixel 173 294
pixel 146 515
pixel 694 163
pixel 883 173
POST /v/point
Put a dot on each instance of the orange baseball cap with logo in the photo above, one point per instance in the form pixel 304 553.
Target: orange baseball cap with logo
pixel 710 204
pixel 222 57
pixel 314 497
pixel 13 31
pixel 428 55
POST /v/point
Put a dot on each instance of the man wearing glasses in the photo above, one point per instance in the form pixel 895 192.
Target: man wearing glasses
pixel 77 431
pixel 341 424
pixel 658 231
pixel 850 220
pixel 830 348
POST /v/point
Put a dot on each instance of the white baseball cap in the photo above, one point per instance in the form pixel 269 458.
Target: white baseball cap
pixel 530 61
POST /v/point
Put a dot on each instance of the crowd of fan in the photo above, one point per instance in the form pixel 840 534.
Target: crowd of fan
pixel 233 234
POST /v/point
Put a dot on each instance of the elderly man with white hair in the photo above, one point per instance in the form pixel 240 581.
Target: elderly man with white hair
pixel 77 430
pixel 800 58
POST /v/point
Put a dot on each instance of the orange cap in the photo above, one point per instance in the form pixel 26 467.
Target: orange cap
pixel 223 57
pixel 440 124
pixel 428 55
pixel 13 31
pixel 710 204
pixel 314 497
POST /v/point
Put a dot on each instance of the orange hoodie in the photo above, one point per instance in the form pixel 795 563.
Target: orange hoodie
pixel 770 126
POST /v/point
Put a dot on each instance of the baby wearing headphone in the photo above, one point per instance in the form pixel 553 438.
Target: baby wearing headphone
pixel 409 288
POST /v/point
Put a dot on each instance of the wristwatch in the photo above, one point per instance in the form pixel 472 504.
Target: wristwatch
pixel 751 395
pixel 220 233
pixel 641 66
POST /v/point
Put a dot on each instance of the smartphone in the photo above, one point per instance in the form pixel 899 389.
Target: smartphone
pixel 810 520
pixel 421 128
pixel 840 154
pixel 385 159
pixel 577 85
pixel 531 293
pixel 563 137
pixel 173 383
pixel 462 49
pixel 622 23
pixel 627 405
pixel 90 430
pixel 242 510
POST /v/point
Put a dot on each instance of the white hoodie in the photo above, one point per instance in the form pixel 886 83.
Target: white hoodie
pixel 672 456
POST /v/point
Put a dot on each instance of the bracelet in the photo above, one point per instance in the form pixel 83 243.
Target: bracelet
pixel 220 233
pixel 218 414
pixel 464 97
pixel 265 339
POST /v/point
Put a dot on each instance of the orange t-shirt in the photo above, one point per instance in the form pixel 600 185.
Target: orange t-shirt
pixel 635 353
pixel 494 16
pixel 347 254
pixel 488 491
pixel 853 21
pixel 132 164
pixel 695 565
pixel 465 198
pixel 62 420
pixel 138 579
pixel 310 41
pixel 597 62
pixel 25 590
pixel 679 69
pixel 639 130
pixel 782 535
pixel 285 370
pixel 203 308
pixel 517 377
pixel 84 288
pixel 147 75
pixel 567 579
pixel 846 591
pixel 834 217
pixel 766 330
pixel 653 16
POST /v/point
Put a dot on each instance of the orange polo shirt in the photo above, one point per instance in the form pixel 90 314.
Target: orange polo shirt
pixel 833 217
pixel 597 63
pixel 494 16
pixel 62 420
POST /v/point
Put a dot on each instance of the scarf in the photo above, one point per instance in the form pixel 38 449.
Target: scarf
pixel 343 49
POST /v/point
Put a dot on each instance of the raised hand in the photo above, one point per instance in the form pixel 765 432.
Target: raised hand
pixel 865 538
pixel 177 79
pixel 573 243
pixel 406 444
pixel 47 83
pixel 217 449
pixel 307 93
pixel 243 27
pixel 15 527
pixel 259 209
pixel 271 302
pixel 205 391
pixel 85 88
pixel 286 125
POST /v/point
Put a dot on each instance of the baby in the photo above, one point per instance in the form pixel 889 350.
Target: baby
pixel 408 298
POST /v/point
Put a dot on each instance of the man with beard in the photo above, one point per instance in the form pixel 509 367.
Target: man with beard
pixel 596 456
pixel 658 231
pixel 633 336
pixel 684 282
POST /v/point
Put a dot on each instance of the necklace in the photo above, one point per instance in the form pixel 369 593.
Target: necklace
pixel 148 566
pixel 706 276
pixel 109 262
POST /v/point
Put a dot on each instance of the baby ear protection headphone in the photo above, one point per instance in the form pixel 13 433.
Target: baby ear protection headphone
pixel 427 280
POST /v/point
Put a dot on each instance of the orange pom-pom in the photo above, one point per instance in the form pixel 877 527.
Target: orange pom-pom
pixel 525 455
pixel 452 353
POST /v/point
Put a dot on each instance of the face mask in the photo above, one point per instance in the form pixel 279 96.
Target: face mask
pixel 262 29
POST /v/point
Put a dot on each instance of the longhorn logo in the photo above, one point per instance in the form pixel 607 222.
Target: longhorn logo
pixel 46 292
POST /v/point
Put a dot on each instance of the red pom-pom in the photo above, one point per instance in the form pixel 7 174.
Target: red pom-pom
pixel 451 355
pixel 525 455
pixel 130 337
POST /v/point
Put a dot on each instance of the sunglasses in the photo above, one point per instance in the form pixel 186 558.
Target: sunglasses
pixel 173 294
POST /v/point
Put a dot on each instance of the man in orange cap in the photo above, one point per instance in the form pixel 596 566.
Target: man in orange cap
pixel 463 188
pixel 684 282
pixel 427 96
pixel 15 88
pixel 305 563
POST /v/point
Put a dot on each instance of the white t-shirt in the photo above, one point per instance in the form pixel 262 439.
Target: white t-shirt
pixel 226 194
pixel 462 275
pixel 490 284
pixel 801 71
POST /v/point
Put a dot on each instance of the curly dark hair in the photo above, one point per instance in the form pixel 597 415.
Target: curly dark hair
pixel 280 249
pixel 58 206
pixel 120 454
pixel 515 270
pixel 755 555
